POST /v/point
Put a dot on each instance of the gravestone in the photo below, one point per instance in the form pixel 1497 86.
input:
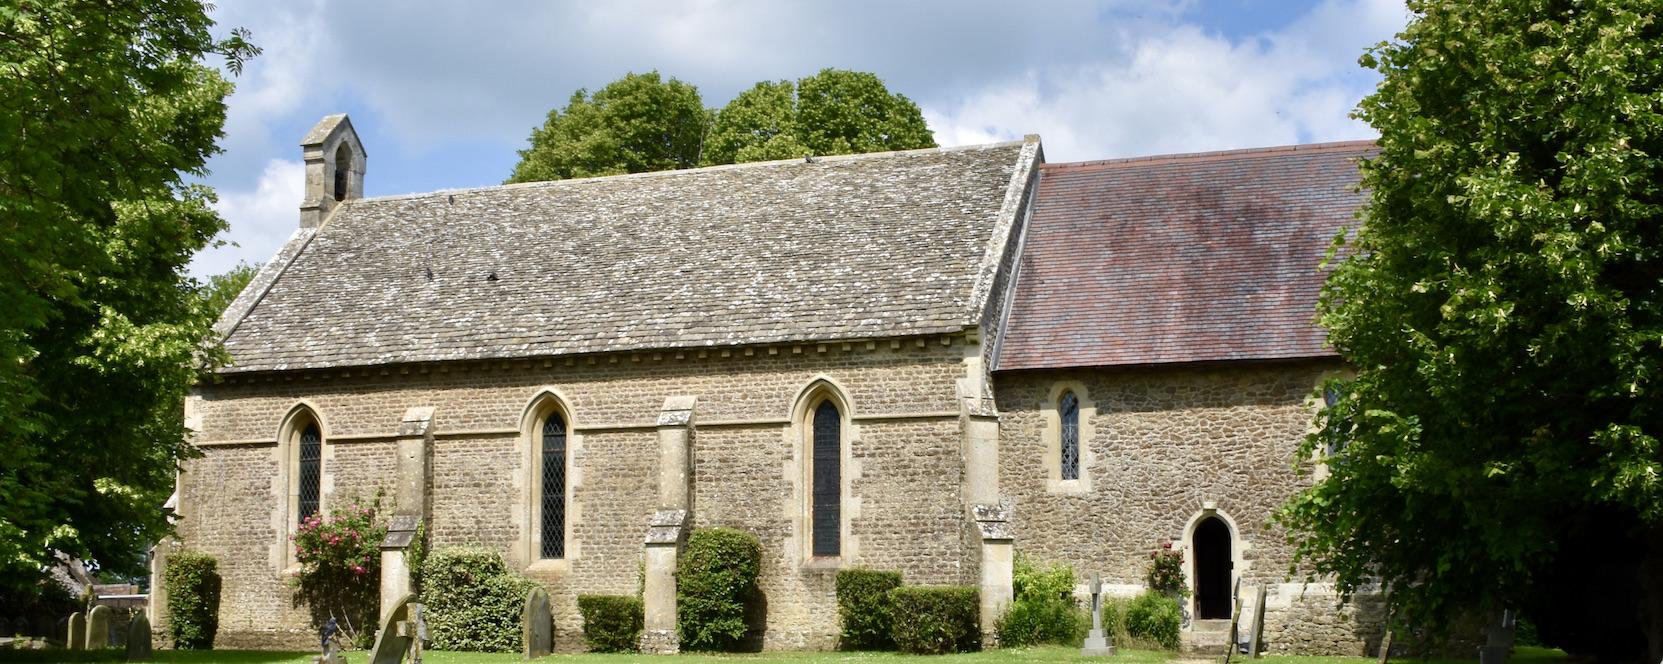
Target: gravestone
pixel 1097 643
pixel 98 628
pixel 403 633
pixel 77 632
pixel 1498 642
pixel 1258 624
pixel 536 625
pixel 138 639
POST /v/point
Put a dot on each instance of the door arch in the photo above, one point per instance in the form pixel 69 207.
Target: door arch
pixel 1214 565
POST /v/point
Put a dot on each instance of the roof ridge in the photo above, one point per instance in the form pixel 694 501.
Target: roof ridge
pixel 1332 146
pixel 701 169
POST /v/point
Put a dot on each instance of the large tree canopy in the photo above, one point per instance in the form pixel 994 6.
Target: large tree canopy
pixel 635 124
pixel 1502 305
pixel 108 108
pixel 643 123
pixel 832 112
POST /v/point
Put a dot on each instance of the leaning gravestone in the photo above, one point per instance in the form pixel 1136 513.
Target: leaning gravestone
pixel 536 625
pixel 138 639
pixel 77 632
pixel 404 632
pixel 98 628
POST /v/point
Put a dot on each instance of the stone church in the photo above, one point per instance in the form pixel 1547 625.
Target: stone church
pixel 925 361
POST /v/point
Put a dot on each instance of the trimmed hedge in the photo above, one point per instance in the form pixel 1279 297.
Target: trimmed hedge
pixel 864 607
pixel 474 601
pixel 611 623
pixel 193 586
pixel 1154 617
pixel 938 619
pixel 715 582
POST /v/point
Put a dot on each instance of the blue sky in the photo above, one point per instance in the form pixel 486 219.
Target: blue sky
pixel 444 93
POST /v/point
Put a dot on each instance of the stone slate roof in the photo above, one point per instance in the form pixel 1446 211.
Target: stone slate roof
pixel 1185 258
pixel 842 248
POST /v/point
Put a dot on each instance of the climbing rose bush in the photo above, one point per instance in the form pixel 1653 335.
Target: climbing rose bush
pixel 339 574
pixel 1166 571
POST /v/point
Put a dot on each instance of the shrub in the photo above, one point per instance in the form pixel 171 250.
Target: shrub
pixel 938 619
pixel 473 600
pixel 1166 571
pixel 864 608
pixel 715 581
pixel 611 623
pixel 1043 609
pixel 340 569
pixel 1155 618
pixel 193 584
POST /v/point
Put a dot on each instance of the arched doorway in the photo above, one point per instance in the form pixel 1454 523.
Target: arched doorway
pixel 1213 564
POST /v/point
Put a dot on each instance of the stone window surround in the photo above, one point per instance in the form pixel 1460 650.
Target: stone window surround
pixel 1051 435
pixel 286 514
pixel 800 436
pixel 1314 402
pixel 1238 549
pixel 545 401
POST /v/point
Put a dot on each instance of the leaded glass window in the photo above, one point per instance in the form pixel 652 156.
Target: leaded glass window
pixel 1069 410
pixel 311 470
pixel 554 487
pixel 828 493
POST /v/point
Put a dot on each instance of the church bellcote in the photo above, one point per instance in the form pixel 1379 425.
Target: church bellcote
pixel 334 168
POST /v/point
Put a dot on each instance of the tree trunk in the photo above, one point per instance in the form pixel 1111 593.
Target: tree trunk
pixel 1651 592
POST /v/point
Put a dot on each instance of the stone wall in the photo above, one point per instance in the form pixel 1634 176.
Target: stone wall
pixel 904 468
pixel 1161 447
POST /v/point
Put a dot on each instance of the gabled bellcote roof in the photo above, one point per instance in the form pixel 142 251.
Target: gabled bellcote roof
pixel 1186 258
pixel 838 248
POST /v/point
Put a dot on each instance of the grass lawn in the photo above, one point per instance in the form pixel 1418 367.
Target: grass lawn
pixel 1014 656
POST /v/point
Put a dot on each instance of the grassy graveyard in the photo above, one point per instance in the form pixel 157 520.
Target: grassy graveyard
pixel 1012 656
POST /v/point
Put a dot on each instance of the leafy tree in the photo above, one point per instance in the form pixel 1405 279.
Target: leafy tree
pixel 108 107
pixel 223 289
pixel 635 124
pixel 643 123
pixel 832 112
pixel 1502 306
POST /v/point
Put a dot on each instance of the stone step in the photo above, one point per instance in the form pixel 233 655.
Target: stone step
pixel 1210 641
pixel 1210 626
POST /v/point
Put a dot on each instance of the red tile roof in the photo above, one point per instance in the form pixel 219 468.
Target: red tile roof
pixel 1184 258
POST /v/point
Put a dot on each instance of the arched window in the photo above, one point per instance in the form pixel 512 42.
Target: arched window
pixel 343 166
pixel 310 470
pixel 553 500
pixel 827 493
pixel 1068 411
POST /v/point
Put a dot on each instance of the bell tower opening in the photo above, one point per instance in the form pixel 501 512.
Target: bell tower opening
pixel 343 170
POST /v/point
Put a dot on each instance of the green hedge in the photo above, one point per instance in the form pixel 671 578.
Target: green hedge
pixel 611 623
pixel 1043 609
pixel 715 582
pixel 936 619
pixel 193 585
pixel 864 608
pixel 1154 618
pixel 474 601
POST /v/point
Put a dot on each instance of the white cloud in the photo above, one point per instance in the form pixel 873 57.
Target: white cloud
pixel 260 218
pixel 1179 89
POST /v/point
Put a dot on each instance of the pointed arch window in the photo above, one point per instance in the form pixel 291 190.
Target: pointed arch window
pixel 553 499
pixel 827 494
pixel 310 472
pixel 1068 411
